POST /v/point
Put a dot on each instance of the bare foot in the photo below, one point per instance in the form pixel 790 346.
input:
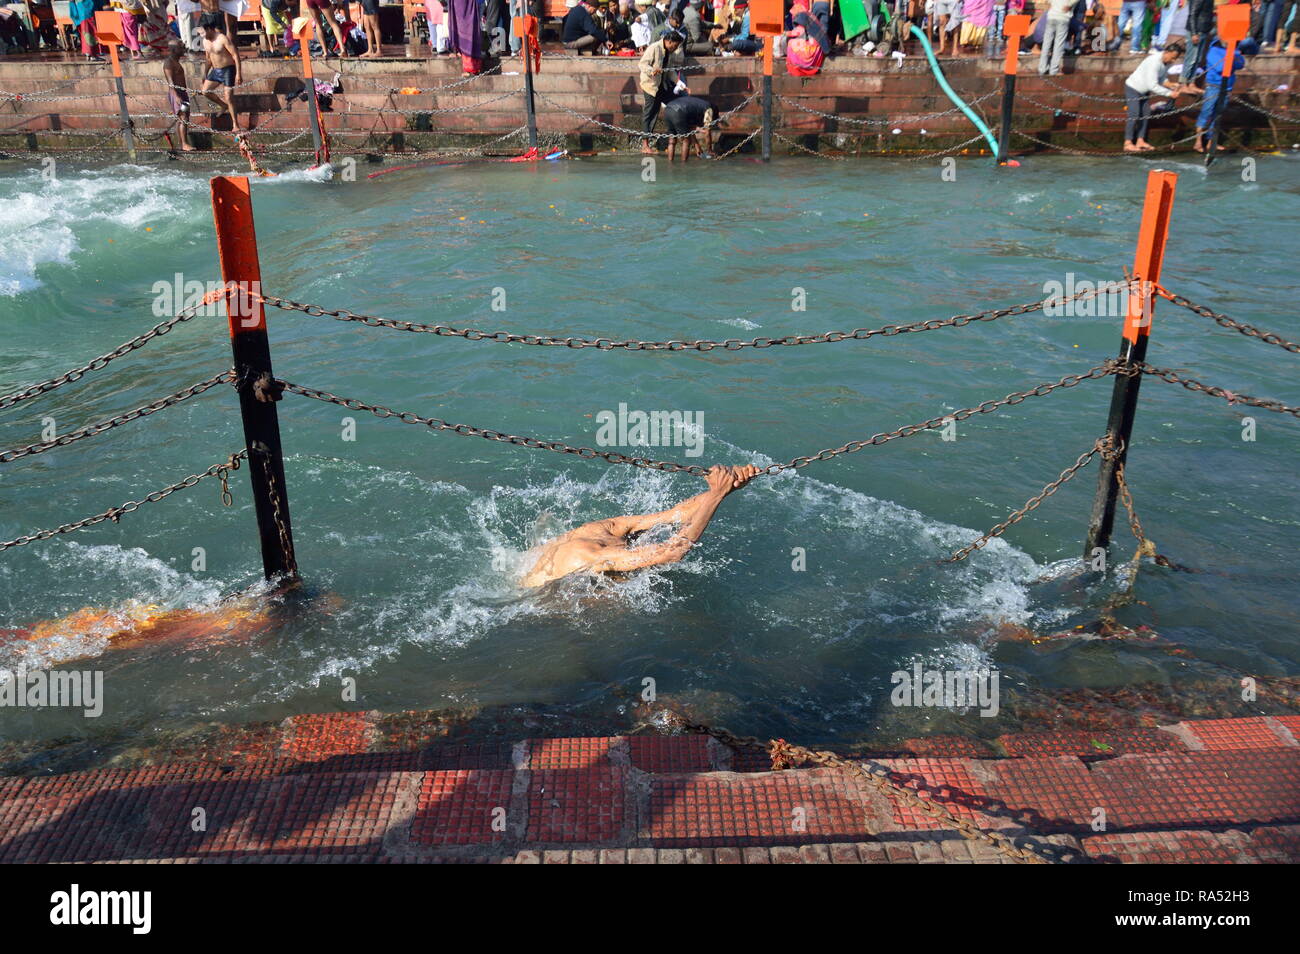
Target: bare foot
pixel 1129 147
pixel 187 148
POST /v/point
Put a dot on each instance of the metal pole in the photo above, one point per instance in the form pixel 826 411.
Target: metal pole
pixel 232 209
pixel 1015 26
pixel 309 85
pixel 1233 23
pixel 768 43
pixel 128 136
pixel 1152 236
pixel 528 85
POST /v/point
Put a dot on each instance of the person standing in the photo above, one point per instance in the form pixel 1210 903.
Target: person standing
pixel 1133 13
pixel 465 34
pixel 1147 79
pixel 1055 32
pixel 1201 24
pixel 656 68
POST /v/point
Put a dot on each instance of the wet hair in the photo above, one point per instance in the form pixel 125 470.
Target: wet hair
pixel 675 35
pixel 174 45
pixel 212 21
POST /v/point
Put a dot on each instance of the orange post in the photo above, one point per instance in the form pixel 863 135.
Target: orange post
pixel 232 211
pixel 1152 236
pixel 766 19
pixel 1233 25
pixel 302 29
pixel 108 29
pixel 1016 27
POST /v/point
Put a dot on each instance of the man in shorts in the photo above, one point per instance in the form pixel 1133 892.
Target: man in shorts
pixel 685 116
pixel 222 64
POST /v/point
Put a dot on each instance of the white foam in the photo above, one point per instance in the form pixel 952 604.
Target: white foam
pixel 46 221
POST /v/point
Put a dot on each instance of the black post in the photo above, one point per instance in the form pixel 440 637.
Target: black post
pixel 1008 105
pixel 1133 349
pixel 128 135
pixel 232 209
pixel 767 117
pixel 528 93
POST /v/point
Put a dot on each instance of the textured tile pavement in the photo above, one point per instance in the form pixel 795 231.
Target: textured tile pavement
pixel 338 788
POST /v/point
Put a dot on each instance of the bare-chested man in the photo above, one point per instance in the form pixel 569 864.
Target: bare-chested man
pixel 224 72
pixel 602 545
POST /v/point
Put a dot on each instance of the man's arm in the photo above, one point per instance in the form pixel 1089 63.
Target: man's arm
pixel 239 70
pixel 722 481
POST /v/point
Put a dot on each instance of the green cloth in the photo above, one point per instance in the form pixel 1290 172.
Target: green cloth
pixel 853 15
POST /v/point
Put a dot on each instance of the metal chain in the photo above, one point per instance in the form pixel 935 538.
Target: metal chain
pixel 812 152
pixel 888 120
pixel 108 424
pixel 587 453
pixel 126 347
pixel 1232 397
pixel 1070 150
pixel 729 344
pixel 277 508
pixel 784 755
pixel 1107 117
pixel 641 133
pixel 1032 503
pixel 1250 331
pixel 221 470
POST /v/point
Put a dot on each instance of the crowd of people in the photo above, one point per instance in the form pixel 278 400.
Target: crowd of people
pixel 662 33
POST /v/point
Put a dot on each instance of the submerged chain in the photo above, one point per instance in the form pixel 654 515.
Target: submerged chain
pixel 784 755
pixel 221 471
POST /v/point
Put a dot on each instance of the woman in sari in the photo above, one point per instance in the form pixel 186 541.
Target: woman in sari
pixel 82 14
pixel 465 32
pixel 154 34
pixel 808 44
pixel 977 18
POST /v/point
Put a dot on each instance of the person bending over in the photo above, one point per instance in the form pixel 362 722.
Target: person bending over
pixel 602 546
pixel 685 117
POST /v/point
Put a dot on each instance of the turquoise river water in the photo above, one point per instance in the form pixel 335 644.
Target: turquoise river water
pixel 419 534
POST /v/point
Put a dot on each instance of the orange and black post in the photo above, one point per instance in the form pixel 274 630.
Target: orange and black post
pixel 232 209
pixel 1152 235
pixel 309 83
pixel 526 28
pixel 767 21
pixel 1015 27
pixel 1233 25
pixel 108 30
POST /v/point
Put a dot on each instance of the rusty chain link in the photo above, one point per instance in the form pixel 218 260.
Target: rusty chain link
pixel 1099 447
pixel 277 509
pixel 1232 397
pixel 89 430
pixel 1250 331
pixel 730 344
pixel 126 347
pixel 784 755
pixel 221 471
pixel 588 453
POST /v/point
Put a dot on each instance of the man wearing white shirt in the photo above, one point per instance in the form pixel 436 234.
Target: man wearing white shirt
pixel 1147 79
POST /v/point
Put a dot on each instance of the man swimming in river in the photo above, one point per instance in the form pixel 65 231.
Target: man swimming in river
pixel 602 546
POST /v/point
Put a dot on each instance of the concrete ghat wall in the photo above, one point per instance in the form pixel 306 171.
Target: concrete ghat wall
pixel 367 118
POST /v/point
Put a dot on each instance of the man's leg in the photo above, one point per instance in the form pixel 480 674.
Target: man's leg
pixel 1061 29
